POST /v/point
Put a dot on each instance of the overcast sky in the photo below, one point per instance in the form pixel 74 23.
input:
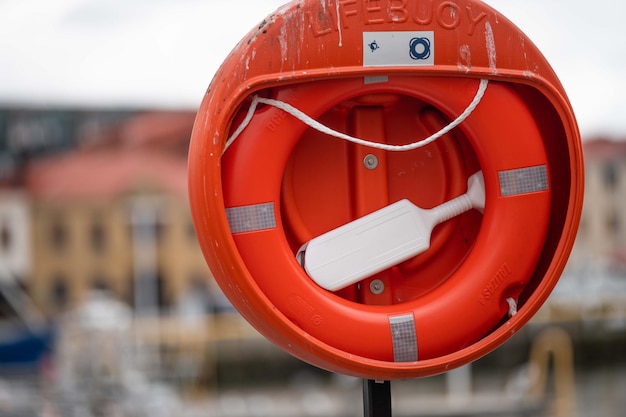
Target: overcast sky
pixel 163 53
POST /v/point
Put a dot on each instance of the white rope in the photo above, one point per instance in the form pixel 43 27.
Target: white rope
pixel 326 130
pixel 512 306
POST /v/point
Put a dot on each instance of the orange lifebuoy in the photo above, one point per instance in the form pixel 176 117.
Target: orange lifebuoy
pixel 386 74
pixel 431 308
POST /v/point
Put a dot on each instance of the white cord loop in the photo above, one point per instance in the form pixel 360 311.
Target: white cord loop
pixel 512 306
pixel 328 131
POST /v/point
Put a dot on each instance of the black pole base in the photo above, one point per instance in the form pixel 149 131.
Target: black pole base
pixel 376 398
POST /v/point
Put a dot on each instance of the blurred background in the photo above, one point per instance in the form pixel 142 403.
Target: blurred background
pixel 107 307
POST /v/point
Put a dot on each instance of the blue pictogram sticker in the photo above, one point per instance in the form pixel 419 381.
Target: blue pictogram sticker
pixel 420 48
pixel 399 48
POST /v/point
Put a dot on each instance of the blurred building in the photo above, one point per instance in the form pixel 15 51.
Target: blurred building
pixel 100 204
pixel 602 233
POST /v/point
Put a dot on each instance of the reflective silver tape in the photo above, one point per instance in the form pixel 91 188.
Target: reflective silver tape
pixel 404 338
pixel 251 218
pixel 375 79
pixel 524 180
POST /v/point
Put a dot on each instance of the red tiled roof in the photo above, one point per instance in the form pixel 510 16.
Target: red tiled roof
pixel 106 174
pixel 147 151
pixel 157 128
pixel 602 149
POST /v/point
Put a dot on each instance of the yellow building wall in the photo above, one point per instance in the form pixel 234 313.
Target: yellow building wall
pixel 76 261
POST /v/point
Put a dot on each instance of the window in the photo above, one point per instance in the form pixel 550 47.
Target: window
pixel 611 174
pixel 98 235
pixel 59 293
pixel 58 233
pixel 191 230
pixel 613 224
pixel 6 236
pixel 100 282
pixel 149 292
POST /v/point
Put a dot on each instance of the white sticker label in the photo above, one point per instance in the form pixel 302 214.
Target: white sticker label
pixel 398 49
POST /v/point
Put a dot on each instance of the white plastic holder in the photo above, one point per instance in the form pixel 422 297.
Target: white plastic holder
pixel 382 239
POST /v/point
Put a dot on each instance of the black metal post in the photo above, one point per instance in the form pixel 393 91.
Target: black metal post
pixel 376 398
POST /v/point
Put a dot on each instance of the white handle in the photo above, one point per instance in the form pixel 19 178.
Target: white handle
pixel 382 239
pixel 473 199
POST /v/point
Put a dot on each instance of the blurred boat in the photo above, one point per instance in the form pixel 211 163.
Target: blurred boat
pixel 26 337
pixel 24 345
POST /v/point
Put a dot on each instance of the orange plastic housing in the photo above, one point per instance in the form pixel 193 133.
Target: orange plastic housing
pixel 389 72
